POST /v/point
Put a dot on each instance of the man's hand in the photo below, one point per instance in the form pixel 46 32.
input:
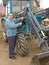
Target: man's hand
pixel 20 23
pixel 22 18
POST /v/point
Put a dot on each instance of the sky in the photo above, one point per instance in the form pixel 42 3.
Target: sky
pixel 0 1
pixel 44 4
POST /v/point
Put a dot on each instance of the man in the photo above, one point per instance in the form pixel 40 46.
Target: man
pixel 11 33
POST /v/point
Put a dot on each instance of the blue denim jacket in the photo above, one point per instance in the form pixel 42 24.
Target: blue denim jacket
pixel 11 27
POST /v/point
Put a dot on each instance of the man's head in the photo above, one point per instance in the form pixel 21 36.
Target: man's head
pixel 10 16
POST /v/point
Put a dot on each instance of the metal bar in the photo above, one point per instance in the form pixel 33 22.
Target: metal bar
pixel 35 28
pixel 10 5
pixel 30 2
pixel 41 55
pixel 34 19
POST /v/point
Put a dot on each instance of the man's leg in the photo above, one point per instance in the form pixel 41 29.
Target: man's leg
pixel 14 45
pixel 11 46
pixel 14 42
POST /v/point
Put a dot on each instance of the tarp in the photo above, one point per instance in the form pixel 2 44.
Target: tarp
pixel 2 10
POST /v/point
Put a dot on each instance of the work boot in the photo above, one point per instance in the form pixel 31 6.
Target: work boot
pixel 12 57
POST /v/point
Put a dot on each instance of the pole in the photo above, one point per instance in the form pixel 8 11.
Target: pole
pixel 10 5
pixel 30 2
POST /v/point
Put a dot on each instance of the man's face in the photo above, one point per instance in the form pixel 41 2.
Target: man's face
pixel 10 16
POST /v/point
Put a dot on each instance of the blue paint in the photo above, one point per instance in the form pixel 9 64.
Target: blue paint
pixel 30 3
pixel 10 5
pixel 39 18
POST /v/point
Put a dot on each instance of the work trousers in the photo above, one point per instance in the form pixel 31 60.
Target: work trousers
pixel 12 44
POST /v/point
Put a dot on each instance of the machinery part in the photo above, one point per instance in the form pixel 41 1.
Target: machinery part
pixel 5 2
pixel 5 37
pixel 4 30
pixel 22 44
pixel 40 59
pixel 38 31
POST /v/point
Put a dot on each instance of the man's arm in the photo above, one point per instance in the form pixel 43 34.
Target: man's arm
pixel 18 20
pixel 12 24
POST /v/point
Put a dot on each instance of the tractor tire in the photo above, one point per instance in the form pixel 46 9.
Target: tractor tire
pixel 22 46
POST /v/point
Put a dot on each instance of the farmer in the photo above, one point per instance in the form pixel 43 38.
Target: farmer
pixel 11 31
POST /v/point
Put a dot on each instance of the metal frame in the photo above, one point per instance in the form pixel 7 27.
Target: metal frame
pixel 37 29
pixel 36 26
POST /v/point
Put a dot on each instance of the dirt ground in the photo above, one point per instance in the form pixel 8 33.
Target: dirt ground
pixel 4 59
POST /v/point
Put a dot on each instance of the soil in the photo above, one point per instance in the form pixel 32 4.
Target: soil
pixel 4 55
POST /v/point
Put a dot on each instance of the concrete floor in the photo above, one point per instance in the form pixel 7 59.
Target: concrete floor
pixel 4 59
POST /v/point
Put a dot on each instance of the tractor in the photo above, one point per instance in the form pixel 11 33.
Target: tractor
pixel 31 24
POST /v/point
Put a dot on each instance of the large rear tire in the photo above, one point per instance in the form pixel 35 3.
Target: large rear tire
pixel 22 44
